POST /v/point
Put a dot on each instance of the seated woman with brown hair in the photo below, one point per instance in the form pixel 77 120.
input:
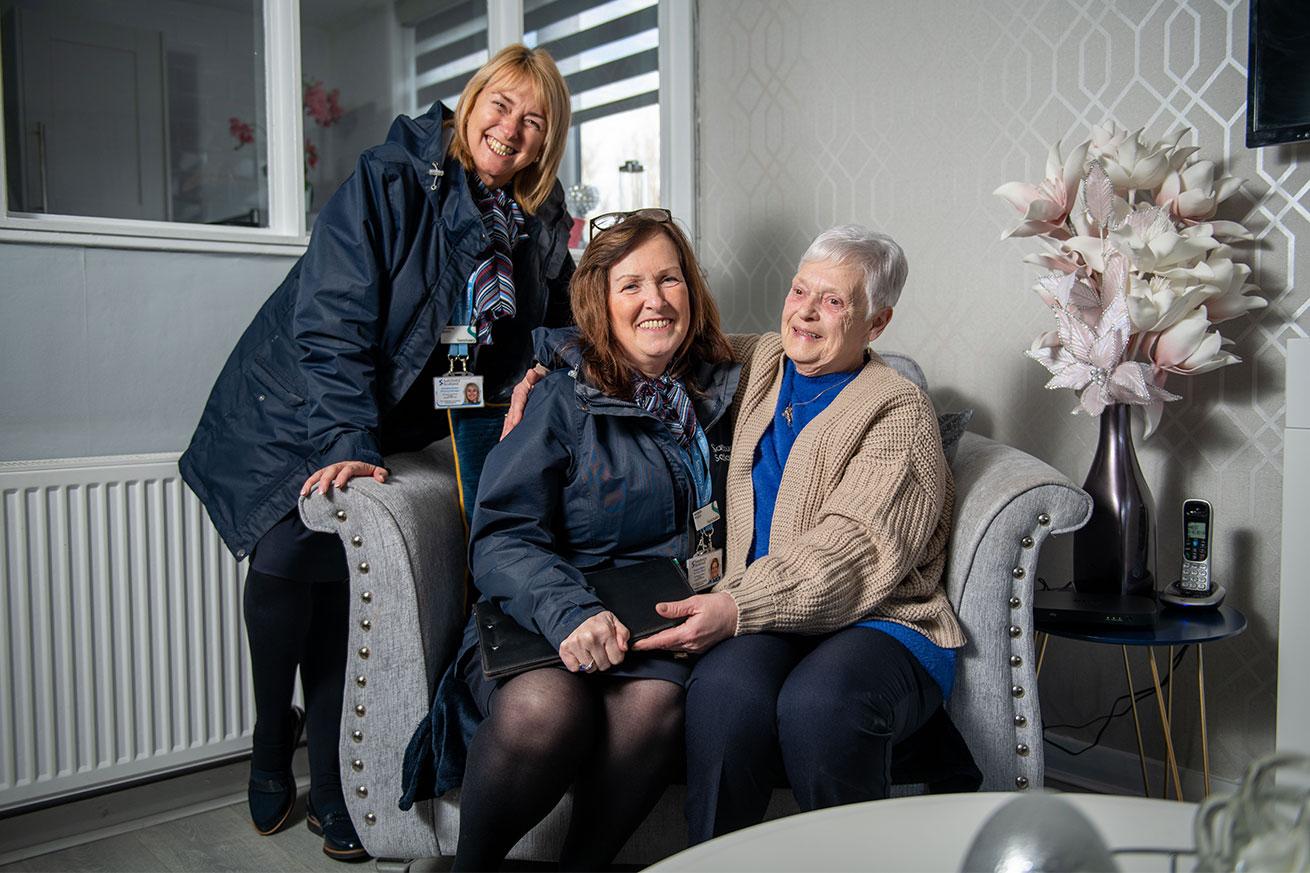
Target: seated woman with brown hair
pixel 608 468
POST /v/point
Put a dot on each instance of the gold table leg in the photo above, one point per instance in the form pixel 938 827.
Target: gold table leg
pixel 1170 679
pixel 1137 723
pixel 1041 654
pixel 1164 721
pixel 1200 694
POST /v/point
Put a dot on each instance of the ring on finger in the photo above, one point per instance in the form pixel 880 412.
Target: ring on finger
pixel 587 667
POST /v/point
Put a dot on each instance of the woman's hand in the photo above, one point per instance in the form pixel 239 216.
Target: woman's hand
pixel 598 643
pixel 711 619
pixel 339 474
pixel 519 399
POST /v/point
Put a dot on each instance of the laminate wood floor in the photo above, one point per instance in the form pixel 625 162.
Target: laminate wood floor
pixel 221 840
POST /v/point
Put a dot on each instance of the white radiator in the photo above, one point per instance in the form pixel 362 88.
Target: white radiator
pixel 122 649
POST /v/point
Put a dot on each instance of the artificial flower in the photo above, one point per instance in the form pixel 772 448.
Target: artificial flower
pixel 1135 282
pixel 1046 206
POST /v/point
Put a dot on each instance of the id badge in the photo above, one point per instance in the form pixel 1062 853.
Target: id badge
pixel 706 515
pixel 458 334
pixel 705 569
pixel 458 392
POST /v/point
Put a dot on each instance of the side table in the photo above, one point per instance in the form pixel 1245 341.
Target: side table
pixel 1175 626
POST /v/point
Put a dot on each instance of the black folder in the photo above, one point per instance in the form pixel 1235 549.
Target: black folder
pixel 629 592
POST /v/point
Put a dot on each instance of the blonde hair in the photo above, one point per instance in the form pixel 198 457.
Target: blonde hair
pixel 514 64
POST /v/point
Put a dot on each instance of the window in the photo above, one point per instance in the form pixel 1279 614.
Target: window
pixel 226 124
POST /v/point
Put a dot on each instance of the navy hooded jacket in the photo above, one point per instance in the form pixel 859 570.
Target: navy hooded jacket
pixel 331 354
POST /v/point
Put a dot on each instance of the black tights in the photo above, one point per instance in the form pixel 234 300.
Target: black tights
pixel 615 740
pixel 293 624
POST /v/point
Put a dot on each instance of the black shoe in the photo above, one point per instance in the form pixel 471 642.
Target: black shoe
pixel 272 795
pixel 340 840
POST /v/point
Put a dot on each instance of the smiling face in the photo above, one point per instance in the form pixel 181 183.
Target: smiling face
pixel 506 130
pixel 824 324
pixel 649 307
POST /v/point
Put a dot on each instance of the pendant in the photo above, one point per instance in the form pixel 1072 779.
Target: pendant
pixel 786 413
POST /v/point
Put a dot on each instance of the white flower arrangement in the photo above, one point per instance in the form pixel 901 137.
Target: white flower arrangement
pixel 1140 273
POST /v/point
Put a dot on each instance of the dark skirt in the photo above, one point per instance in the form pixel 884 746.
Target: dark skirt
pixel 636 665
pixel 435 758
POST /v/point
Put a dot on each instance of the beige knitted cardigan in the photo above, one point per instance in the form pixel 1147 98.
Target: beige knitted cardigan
pixel 863 511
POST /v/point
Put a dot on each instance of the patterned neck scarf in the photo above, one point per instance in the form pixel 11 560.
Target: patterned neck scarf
pixel 493 279
pixel 667 400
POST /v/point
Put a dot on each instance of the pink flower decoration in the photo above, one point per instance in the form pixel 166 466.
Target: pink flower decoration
pixel 242 132
pixel 321 105
pixel 311 155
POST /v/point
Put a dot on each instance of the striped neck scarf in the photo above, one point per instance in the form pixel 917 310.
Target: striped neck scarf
pixel 667 400
pixel 493 279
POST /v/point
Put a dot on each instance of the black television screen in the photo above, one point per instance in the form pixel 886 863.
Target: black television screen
pixel 1278 72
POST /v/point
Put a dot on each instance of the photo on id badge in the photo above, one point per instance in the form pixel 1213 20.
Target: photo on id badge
pixel 458 392
pixel 705 569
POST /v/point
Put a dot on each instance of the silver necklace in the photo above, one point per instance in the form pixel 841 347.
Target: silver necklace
pixel 787 410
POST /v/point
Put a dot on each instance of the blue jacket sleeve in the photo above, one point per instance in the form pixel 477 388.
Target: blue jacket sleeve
pixel 520 498
pixel 340 311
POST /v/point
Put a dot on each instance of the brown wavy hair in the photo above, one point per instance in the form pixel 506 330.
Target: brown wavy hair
pixel 514 64
pixel 604 363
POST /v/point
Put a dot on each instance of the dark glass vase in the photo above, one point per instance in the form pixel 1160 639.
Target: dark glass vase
pixel 1114 553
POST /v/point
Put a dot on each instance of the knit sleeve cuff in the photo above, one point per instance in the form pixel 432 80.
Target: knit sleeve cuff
pixel 756 610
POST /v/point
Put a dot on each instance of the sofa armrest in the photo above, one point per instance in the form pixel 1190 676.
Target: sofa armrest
pixel 404 543
pixel 1007 504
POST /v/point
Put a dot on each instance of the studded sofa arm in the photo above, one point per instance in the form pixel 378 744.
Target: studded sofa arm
pixel 1007 504
pixel 404 542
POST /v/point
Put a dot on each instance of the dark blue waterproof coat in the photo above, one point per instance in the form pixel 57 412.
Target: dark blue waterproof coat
pixel 585 481
pixel 320 375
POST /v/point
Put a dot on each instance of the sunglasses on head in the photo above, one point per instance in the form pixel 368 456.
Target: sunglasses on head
pixel 604 222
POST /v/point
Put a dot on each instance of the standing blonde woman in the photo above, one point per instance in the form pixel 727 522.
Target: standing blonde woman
pixel 445 249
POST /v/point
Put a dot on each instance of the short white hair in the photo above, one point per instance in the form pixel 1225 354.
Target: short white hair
pixel 879 257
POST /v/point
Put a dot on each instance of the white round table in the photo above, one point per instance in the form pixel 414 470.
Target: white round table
pixel 930 832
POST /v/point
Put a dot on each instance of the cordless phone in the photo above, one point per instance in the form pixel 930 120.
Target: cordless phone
pixel 1197 525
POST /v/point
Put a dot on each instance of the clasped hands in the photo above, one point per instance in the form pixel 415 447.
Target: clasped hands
pixel 602 641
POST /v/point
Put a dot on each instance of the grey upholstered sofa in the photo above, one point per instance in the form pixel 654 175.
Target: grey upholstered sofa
pixel 404 541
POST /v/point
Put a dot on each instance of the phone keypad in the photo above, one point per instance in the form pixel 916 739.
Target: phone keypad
pixel 1196 577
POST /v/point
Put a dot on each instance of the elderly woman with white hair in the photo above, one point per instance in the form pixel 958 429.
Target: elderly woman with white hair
pixel 830 639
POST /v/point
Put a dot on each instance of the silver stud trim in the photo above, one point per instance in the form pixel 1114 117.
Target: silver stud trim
pixel 1043 519
pixel 357 765
pixel 367 597
pixel 1021 749
pixel 361 680
pixel 363 566
pixel 1017 572
pixel 1015 603
pixel 366 624
pixel 364 652
pixel 359 710
pixel 1020 720
pixel 1021 782
pixel 357 736
pixel 1015 631
pixel 1016 661
pixel 370 819
pixel 357 541
pixel 362 791
pixel 1026 542
pixel 341 515
pixel 1016 690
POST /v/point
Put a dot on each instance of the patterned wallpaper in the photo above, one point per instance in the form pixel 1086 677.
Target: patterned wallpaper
pixel 906 115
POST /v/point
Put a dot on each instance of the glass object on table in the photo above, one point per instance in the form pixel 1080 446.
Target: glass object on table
pixel 1265 825
pixel 632 185
pixel 580 199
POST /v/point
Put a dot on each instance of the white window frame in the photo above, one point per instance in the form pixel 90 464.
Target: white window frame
pixel 286 232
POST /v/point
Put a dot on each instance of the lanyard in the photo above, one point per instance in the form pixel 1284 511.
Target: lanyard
pixel 462 317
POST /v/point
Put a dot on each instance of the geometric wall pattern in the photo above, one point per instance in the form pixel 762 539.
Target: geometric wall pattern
pixel 906 116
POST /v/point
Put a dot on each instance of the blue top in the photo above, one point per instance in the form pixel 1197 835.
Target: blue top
pixel 805 397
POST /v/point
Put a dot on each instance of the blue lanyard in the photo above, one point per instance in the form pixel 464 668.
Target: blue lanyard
pixel 463 314
pixel 697 459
